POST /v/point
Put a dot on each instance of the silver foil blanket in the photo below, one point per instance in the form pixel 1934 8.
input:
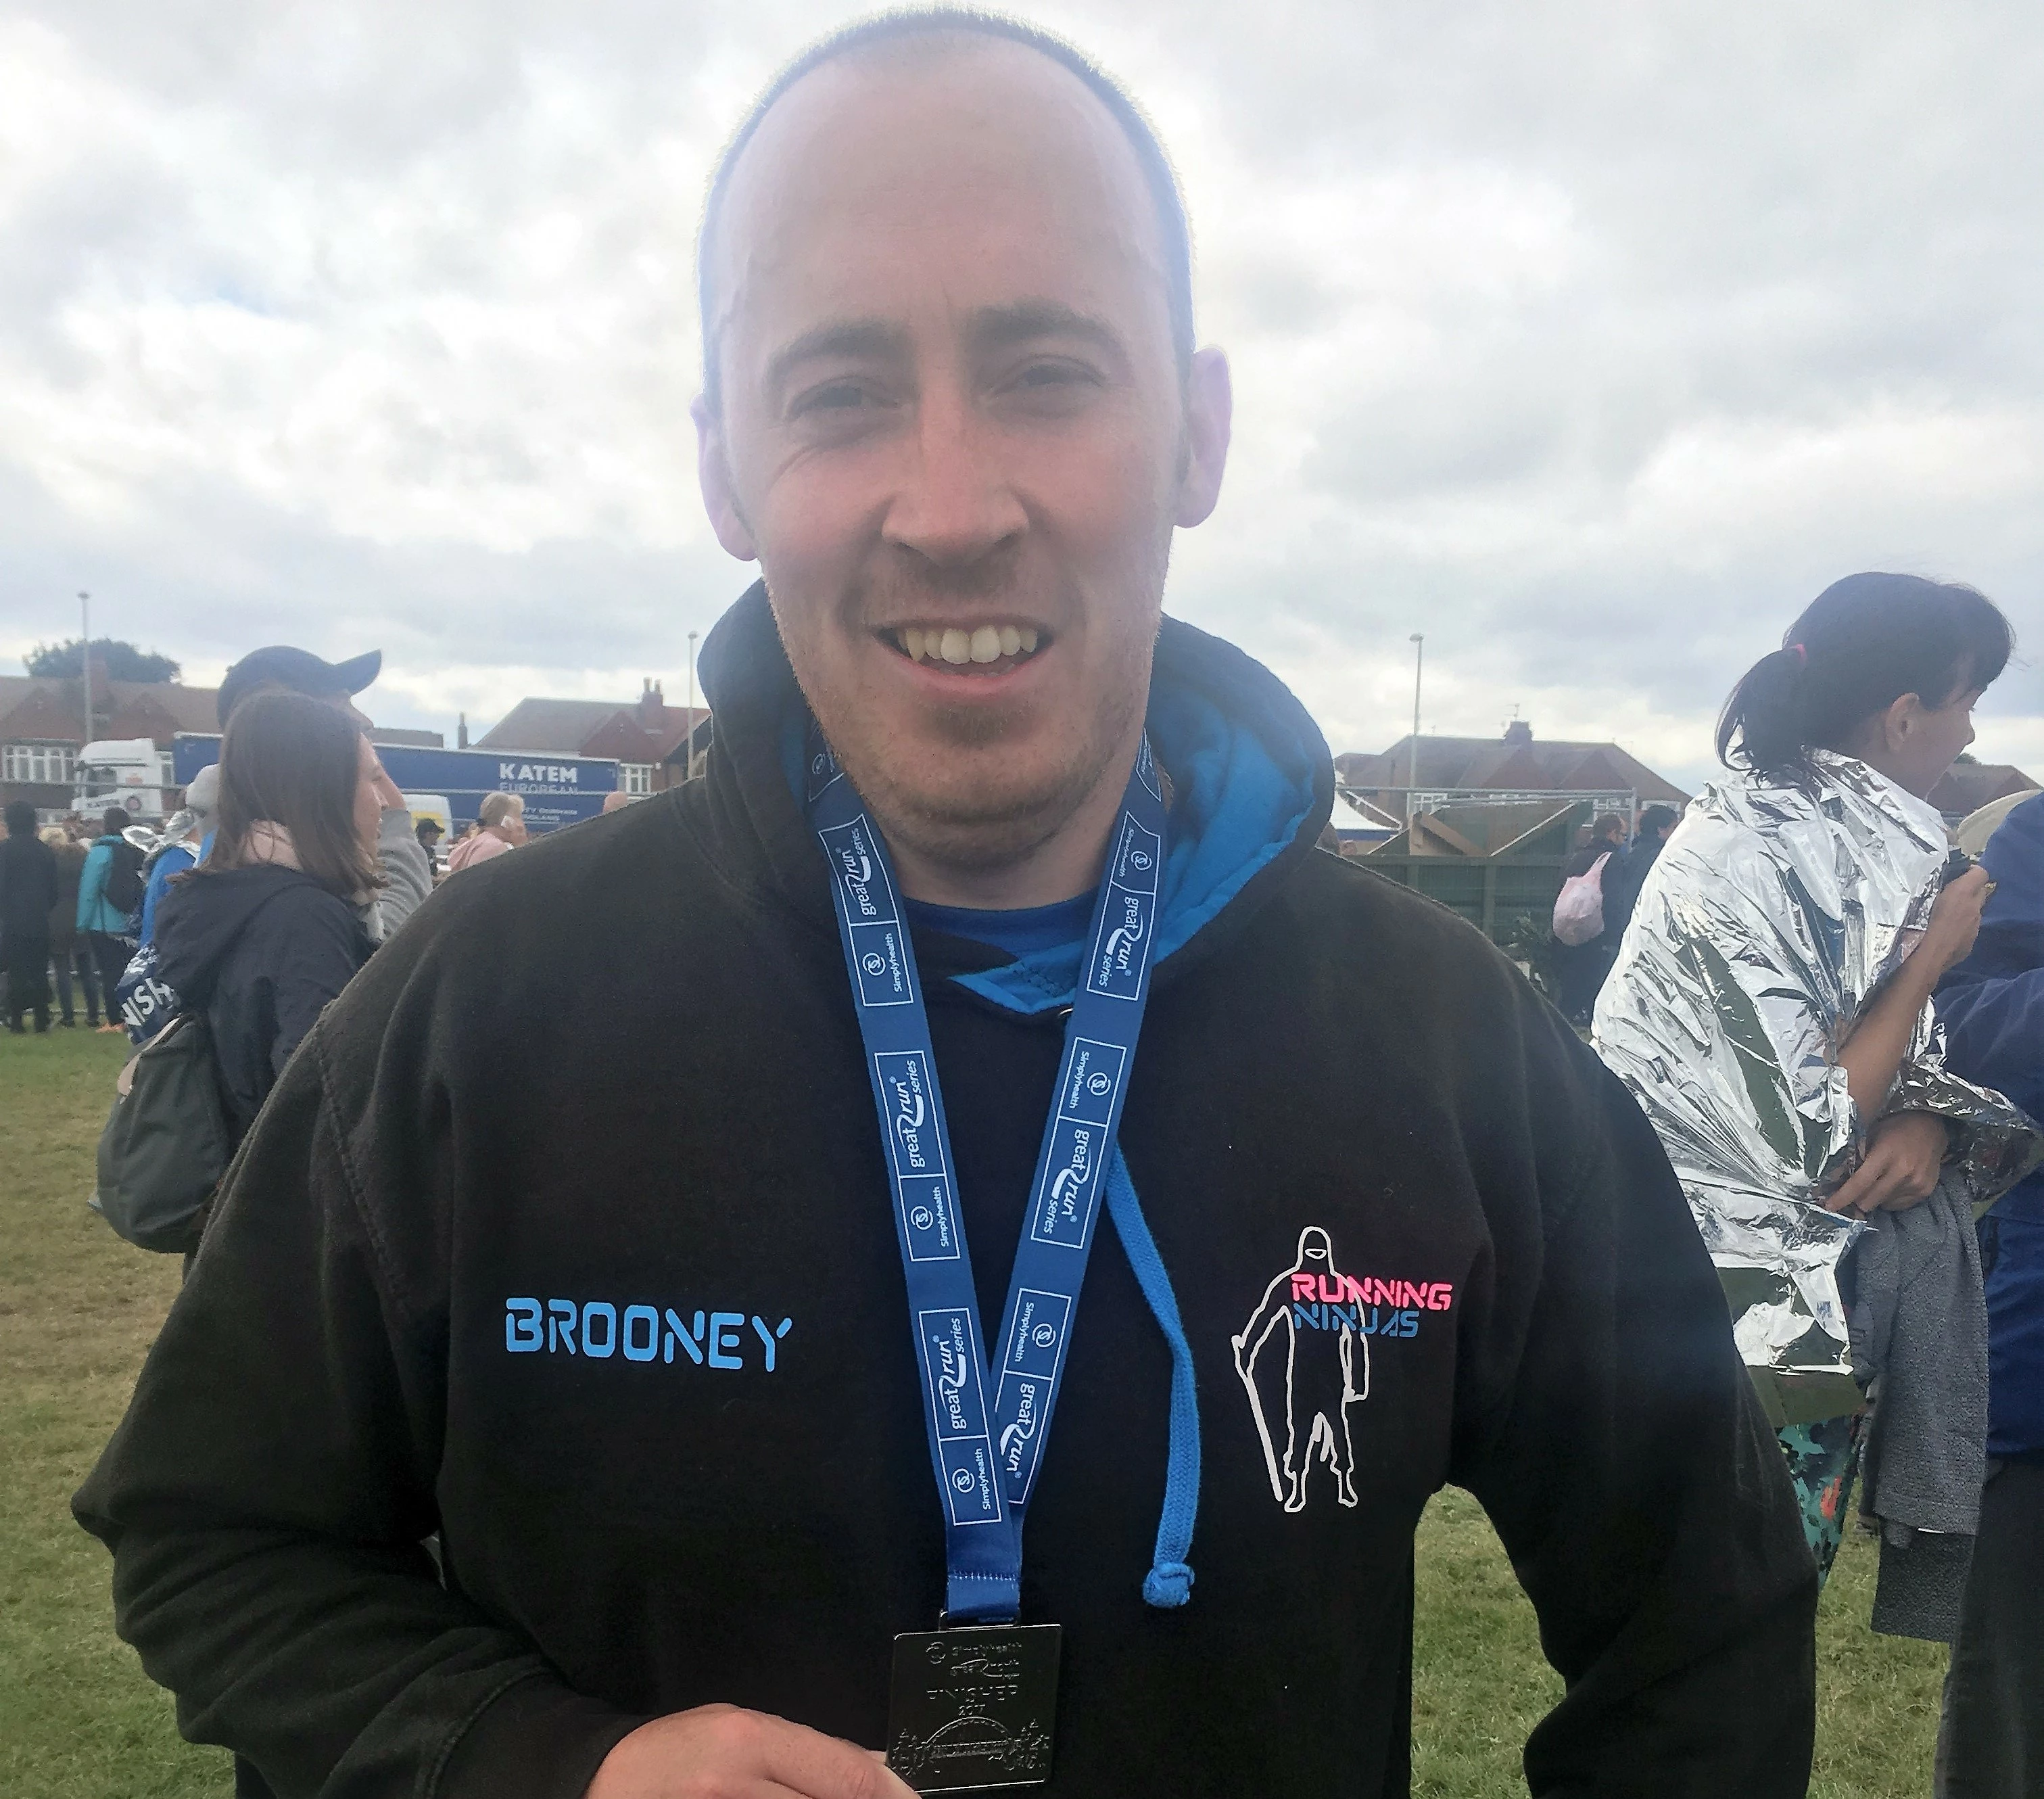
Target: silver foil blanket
pixel 1763 928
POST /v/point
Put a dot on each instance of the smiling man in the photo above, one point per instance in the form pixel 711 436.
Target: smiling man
pixel 738 1316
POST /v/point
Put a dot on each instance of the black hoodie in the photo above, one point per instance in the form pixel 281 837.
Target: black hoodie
pixel 261 951
pixel 567 1238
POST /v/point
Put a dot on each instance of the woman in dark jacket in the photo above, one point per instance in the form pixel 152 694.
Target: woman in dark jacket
pixel 264 932
pixel 28 890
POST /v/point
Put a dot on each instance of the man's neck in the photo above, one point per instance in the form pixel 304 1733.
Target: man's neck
pixel 1065 865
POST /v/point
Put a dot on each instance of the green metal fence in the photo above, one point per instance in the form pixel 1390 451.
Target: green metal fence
pixel 1491 895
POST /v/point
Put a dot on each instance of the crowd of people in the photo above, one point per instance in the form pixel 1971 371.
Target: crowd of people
pixel 80 900
pixel 70 893
pixel 536 1417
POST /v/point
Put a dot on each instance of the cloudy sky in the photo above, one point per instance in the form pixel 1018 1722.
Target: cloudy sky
pixel 1591 340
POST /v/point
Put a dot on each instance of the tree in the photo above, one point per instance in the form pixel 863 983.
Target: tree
pixel 119 661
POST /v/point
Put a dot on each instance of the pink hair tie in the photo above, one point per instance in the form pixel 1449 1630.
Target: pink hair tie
pixel 1801 654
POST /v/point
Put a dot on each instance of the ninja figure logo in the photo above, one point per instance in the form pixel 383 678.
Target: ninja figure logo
pixel 1326 1366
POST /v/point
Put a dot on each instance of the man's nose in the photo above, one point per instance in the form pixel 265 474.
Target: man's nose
pixel 955 505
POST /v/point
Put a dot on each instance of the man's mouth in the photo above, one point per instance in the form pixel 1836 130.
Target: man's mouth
pixel 984 649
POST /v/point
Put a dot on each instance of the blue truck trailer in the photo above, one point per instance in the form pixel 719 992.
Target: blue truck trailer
pixel 557 789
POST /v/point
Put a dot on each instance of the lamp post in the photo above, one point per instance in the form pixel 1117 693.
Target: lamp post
pixel 85 663
pixel 689 761
pixel 1418 640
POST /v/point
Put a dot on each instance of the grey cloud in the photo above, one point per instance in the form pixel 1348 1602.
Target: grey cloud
pixel 1610 335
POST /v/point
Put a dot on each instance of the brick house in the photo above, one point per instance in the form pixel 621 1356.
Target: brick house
pixel 1514 765
pixel 42 729
pixel 1968 786
pixel 650 741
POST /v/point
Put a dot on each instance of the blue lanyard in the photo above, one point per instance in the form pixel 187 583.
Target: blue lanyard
pixel 987 1436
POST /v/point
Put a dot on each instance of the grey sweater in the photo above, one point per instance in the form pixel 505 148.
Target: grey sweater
pixel 1919 1327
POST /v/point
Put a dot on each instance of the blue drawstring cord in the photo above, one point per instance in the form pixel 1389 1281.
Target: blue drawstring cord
pixel 1169 1581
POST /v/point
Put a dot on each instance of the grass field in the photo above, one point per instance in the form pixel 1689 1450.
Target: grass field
pixel 79 1720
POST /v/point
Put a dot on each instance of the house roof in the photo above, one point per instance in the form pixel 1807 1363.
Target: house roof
pixel 36 708
pixel 623 731
pixel 560 725
pixel 1518 761
pixel 189 708
pixel 53 709
pixel 1969 786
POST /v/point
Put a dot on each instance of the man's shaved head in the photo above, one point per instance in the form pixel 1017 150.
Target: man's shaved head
pixel 934 30
pixel 953 409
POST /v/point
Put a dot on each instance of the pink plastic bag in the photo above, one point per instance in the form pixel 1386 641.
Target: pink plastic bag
pixel 1579 906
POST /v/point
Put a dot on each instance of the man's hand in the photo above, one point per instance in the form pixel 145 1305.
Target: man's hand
pixel 1901 1165
pixel 721 1752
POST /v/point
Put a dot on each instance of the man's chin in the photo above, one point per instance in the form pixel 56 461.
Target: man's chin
pixel 986 826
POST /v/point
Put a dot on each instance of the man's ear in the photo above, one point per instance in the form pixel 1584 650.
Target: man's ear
pixel 1209 418
pixel 713 472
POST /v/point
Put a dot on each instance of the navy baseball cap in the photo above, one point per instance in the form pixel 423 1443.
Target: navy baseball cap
pixel 296 671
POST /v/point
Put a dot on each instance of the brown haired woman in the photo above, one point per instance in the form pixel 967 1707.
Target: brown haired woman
pixel 265 931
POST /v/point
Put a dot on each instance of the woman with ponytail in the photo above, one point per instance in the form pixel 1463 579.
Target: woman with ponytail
pixel 1771 1007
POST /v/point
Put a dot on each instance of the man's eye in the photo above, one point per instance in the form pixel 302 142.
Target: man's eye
pixel 833 396
pixel 1051 374
pixel 1051 387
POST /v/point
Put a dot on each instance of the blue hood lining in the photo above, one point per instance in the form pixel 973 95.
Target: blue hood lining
pixel 1240 797
pixel 1245 761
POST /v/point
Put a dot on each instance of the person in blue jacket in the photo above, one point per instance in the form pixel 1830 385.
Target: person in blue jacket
pixel 1991 1744
pixel 103 925
pixel 185 843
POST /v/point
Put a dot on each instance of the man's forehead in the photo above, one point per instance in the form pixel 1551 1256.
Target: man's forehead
pixel 923 129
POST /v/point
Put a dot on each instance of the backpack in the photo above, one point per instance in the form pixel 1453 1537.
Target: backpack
pixel 166 1144
pixel 124 886
pixel 1579 906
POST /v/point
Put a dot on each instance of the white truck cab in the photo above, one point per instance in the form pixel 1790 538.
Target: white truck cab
pixel 124 772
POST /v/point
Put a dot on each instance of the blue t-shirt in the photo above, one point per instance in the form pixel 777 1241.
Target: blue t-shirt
pixel 1021 932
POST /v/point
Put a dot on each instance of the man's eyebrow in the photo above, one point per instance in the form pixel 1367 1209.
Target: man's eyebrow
pixel 836 337
pixel 1001 327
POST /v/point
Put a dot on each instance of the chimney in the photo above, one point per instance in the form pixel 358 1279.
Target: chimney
pixel 1518 731
pixel 461 733
pixel 652 708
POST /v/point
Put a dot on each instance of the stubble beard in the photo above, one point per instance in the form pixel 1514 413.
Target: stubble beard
pixel 996 826
pixel 978 830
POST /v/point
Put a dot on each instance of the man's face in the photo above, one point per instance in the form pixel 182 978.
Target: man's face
pixel 954 434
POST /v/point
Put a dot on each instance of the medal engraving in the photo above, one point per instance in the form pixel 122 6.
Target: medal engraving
pixel 975 1709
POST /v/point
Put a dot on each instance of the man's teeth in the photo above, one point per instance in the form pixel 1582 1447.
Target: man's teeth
pixel 988 643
